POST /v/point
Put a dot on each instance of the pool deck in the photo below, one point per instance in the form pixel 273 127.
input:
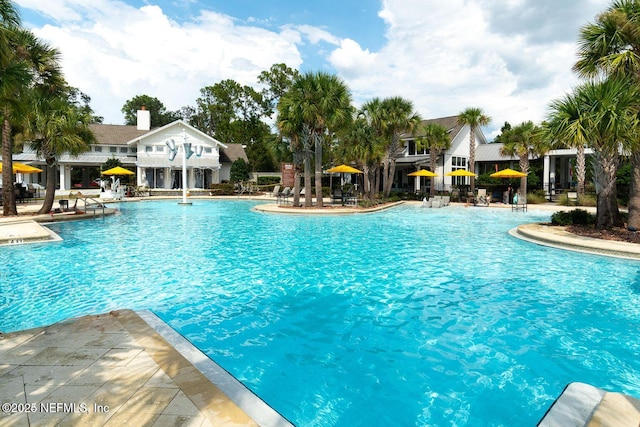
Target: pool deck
pixel 147 374
pixel 120 368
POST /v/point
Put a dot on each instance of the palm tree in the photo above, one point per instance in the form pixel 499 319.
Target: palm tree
pixel 565 127
pixel 54 127
pixel 611 46
pixel 323 103
pixel 524 141
pixel 391 117
pixel 474 117
pixel 28 64
pixel 290 126
pixel 435 137
pixel 606 118
pixel 360 142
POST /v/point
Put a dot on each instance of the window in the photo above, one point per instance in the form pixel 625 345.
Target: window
pixel 159 149
pixel 123 150
pixel 113 149
pixel 458 163
pixel 207 150
pixel 148 148
pixel 413 150
pixel 97 149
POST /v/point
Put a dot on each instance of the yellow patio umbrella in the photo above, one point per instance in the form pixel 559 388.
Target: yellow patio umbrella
pixel 22 168
pixel 460 172
pixel 118 171
pixel 343 169
pixel 423 172
pixel 508 173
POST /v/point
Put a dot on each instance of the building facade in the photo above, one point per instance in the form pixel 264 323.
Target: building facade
pixel 148 153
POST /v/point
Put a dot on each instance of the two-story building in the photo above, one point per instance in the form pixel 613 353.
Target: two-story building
pixel 148 153
pixel 413 157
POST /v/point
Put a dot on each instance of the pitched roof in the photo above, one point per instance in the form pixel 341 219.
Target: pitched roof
pixel 451 123
pixel 232 153
pixel 115 134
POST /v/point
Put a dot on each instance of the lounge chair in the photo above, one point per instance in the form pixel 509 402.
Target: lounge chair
pixel 481 199
pixel 445 200
pixel 276 191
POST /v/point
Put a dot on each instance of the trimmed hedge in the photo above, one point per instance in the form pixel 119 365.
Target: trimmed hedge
pixel 574 217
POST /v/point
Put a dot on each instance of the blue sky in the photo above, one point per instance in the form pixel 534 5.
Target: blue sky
pixel 508 57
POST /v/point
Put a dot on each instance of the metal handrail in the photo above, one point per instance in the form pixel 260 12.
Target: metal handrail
pixel 96 204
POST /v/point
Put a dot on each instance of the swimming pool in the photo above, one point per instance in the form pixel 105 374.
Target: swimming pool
pixel 404 317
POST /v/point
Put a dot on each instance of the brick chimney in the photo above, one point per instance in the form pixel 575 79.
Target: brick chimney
pixel 144 118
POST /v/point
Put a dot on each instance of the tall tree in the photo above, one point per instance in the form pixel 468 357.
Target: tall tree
pixel 159 114
pixel 435 138
pixel 323 102
pixel 291 127
pixel 57 125
pixel 474 117
pixel 391 117
pixel 607 118
pixel 278 80
pixel 233 113
pixel 566 127
pixel 25 63
pixel 611 46
pixel 524 141
pixel 362 144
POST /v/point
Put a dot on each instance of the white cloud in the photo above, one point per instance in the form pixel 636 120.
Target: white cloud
pixel 508 57
pixel 126 51
pixel 351 59
pixel 447 56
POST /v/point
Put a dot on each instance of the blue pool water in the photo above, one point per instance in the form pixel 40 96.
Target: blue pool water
pixel 426 317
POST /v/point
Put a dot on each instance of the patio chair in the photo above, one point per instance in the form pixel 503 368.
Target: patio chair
pixel 284 196
pixel 481 199
pixel 519 203
pixel 336 196
pixel 276 191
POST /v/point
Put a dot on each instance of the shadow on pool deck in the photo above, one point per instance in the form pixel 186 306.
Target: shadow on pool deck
pixel 115 369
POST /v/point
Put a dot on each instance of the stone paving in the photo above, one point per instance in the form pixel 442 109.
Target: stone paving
pixel 112 370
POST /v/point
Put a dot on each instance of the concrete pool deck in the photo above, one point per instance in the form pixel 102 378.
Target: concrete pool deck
pixel 115 369
pixel 144 377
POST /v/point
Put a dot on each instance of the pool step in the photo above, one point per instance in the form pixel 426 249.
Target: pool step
pixel 21 232
pixel 582 404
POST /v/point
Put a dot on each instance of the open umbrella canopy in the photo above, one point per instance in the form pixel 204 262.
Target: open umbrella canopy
pixel 343 169
pixel 22 168
pixel 460 172
pixel 508 173
pixel 422 172
pixel 118 171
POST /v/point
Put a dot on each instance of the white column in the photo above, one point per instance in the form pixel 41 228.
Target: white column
pixel 545 174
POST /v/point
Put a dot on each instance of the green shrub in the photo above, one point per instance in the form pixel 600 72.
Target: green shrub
pixel 225 189
pixel 582 217
pixel 563 200
pixel 574 217
pixel 268 180
pixel 587 200
pixel 561 218
pixel 535 198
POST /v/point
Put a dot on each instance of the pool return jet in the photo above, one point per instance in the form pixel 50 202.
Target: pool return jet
pixel 187 152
